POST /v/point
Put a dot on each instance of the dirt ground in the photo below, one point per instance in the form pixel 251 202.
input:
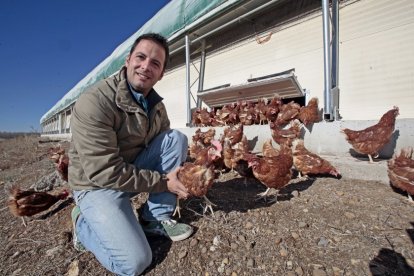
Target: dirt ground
pixel 322 226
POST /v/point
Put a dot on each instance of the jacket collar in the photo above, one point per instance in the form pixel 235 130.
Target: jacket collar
pixel 124 98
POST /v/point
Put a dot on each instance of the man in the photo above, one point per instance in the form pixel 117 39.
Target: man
pixel 122 145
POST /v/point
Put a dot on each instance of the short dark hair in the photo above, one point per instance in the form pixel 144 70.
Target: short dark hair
pixel 157 38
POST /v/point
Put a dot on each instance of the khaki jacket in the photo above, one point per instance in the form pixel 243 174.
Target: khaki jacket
pixel 109 129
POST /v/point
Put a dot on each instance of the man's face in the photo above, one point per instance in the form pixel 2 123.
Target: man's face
pixel 145 65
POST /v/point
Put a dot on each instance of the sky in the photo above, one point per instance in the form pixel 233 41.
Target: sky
pixel 48 46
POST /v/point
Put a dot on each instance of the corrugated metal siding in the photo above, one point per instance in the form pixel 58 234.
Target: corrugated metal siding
pixel 376 61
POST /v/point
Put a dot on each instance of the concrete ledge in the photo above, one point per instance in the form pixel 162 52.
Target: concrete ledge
pixel 361 169
pixel 326 140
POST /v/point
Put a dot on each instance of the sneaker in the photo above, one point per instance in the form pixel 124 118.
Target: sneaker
pixel 168 228
pixel 76 243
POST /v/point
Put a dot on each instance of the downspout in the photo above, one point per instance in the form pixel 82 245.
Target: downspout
pixel 327 62
pixel 202 70
pixel 187 78
pixel 335 59
pixel 331 61
pixel 335 44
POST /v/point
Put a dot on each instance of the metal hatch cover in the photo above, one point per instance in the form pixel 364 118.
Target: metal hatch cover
pixel 284 84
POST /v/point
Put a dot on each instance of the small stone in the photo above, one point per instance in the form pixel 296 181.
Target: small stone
pixel 182 254
pixel 289 265
pixel 248 225
pixel 295 193
pixel 354 261
pixel 278 240
pixel 233 274
pixel 212 248
pixel 203 250
pixel 295 235
pixel 250 263
pixel 305 210
pixel 225 261
pixel 283 252
pixel 53 251
pixel 16 272
pixel 290 273
pixel 319 272
pixel 216 240
pixel 242 238
pixel 233 245
pixel 349 215
pixel 337 271
pixel 299 271
pixel 323 242
pixel 220 269
pixel 73 269
pixel 16 254
pixel 303 224
pixel 193 242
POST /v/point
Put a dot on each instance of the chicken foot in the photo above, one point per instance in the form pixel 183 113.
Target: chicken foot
pixel 24 222
pixel 371 160
pixel 265 195
pixel 208 206
pixel 177 209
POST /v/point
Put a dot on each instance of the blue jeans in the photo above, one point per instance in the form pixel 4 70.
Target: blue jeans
pixel 107 225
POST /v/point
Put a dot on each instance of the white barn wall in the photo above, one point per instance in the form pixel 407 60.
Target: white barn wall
pixel 376 62
pixel 376 58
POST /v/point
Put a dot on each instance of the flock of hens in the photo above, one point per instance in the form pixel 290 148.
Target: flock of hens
pixel 273 167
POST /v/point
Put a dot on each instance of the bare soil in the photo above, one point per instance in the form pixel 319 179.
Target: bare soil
pixel 321 226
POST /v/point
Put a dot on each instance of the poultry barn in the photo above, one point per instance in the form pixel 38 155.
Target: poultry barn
pixel 226 52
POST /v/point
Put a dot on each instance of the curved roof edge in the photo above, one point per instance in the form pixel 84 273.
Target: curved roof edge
pixel 172 21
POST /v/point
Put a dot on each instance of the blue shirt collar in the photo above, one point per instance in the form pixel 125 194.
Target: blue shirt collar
pixel 140 98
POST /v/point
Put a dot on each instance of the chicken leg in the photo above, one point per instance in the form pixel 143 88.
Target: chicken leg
pixel 177 209
pixel 208 206
pixel 265 195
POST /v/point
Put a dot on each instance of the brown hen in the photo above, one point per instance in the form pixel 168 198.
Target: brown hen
pixel 268 150
pixel 197 179
pixel 310 113
pixel 273 172
pixel 198 176
pixel 309 163
pixel 287 113
pixel 234 157
pixel 233 133
pixel 286 135
pixel 28 203
pixel 61 160
pixel 401 171
pixel 372 139
pixel 204 137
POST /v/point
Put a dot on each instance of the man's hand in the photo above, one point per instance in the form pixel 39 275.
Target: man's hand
pixel 175 186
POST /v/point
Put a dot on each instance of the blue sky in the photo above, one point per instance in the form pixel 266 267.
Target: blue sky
pixel 47 46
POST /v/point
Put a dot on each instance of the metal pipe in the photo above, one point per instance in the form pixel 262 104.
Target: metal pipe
pixel 187 77
pixel 327 61
pixel 227 24
pixel 335 43
pixel 202 70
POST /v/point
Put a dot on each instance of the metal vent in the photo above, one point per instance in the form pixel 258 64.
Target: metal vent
pixel 282 84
